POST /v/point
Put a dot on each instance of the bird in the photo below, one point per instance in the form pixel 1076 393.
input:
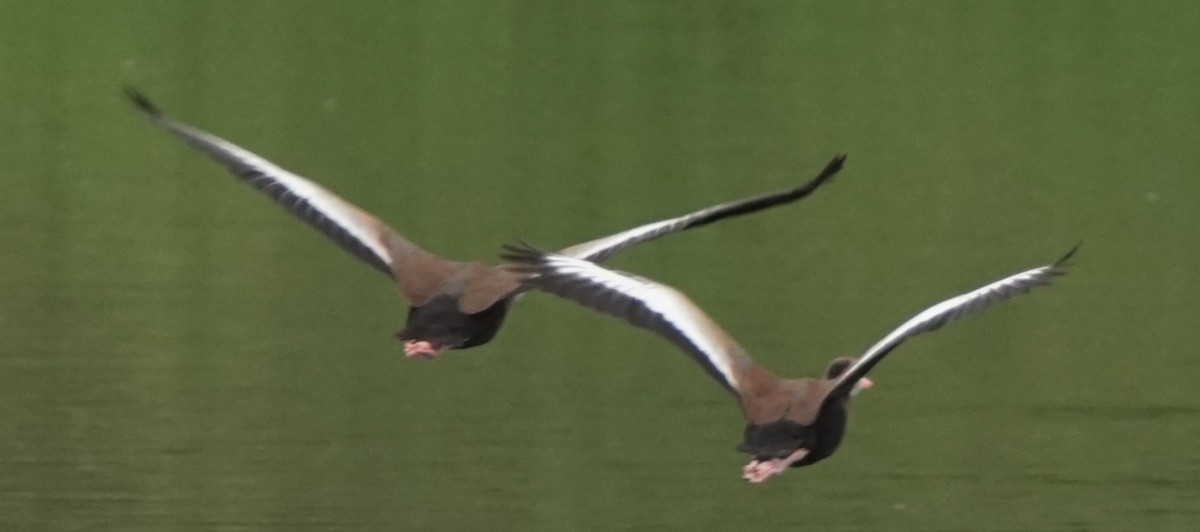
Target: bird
pixel 452 304
pixel 789 422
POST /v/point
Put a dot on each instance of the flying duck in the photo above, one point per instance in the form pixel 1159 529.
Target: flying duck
pixel 452 305
pixel 789 422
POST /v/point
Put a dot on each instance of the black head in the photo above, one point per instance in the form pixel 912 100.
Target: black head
pixel 842 364
pixel 838 367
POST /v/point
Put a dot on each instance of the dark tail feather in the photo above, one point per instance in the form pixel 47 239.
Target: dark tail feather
pixel 524 257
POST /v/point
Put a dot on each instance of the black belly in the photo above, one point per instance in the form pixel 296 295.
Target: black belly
pixel 781 438
pixel 775 440
pixel 485 325
pixel 439 321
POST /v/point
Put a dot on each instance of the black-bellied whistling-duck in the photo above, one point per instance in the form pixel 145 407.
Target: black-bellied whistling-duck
pixel 789 422
pixel 452 305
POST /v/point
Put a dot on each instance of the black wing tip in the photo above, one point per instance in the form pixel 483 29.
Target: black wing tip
pixel 832 167
pixel 141 101
pixel 1065 260
pixel 837 162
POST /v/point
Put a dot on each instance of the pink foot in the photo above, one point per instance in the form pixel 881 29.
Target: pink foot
pixel 420 349
pixel 760 471
pixel 756 471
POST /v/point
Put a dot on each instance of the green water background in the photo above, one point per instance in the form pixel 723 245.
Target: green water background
pixel 178 354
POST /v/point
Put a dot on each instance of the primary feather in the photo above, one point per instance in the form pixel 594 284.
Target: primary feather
pixel 600 249
pixel 949 310
pixel 639 301
pixel 355 230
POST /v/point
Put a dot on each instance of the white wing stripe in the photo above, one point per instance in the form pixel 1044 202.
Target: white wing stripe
pixel 602 248
pixel 937 315
pixel 329 205
pixel 598 249
pixel 662 300
pixel 927 317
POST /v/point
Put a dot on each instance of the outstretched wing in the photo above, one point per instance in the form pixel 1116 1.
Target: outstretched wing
pixel 641 302
pixel 417 271
pixel 602 248
pixel 949 310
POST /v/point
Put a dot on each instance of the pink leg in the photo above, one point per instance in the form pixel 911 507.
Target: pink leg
pixel 421 349
pixel 759 471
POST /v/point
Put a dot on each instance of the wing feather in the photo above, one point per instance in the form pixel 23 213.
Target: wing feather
pixel 949 310
pixel 601 249
pixel 355 230
pixel 641 302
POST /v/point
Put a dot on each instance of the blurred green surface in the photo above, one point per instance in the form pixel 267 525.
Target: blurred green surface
pixel 178 354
